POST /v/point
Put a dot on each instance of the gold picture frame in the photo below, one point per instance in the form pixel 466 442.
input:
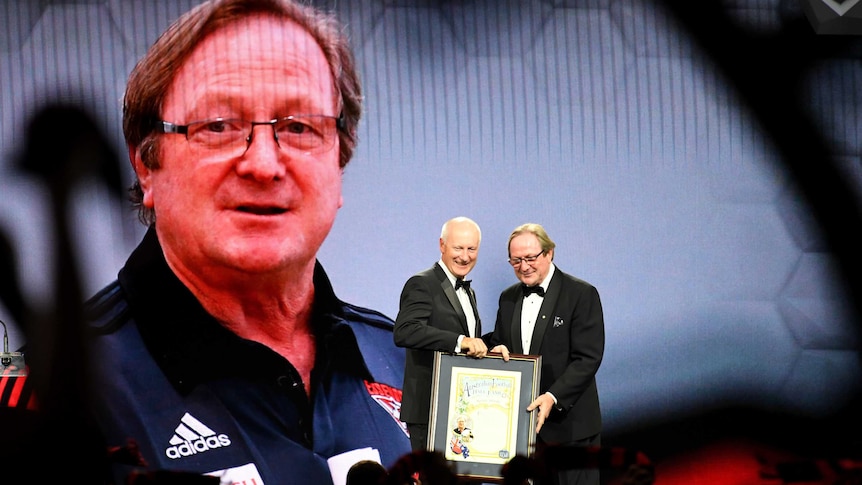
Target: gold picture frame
pixel 478 415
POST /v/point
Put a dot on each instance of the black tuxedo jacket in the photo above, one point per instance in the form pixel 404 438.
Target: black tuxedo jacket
pixel 429 318
pixel 569 335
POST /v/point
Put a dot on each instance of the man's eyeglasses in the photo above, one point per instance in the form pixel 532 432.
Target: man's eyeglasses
pixel 233 136
pixel 527 259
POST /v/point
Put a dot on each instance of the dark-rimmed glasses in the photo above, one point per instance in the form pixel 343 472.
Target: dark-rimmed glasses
pixel 233 136
pixel 527 259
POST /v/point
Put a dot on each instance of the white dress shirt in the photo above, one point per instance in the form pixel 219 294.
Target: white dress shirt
pixel 530 312
pixel 464 298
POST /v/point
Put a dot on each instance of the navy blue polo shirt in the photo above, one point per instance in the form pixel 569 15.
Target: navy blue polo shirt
pixel 197 398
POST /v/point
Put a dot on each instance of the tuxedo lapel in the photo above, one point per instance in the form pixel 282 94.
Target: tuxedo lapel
pixel 549 302
pixel 517 346
pixel 472 295
pixel 449 291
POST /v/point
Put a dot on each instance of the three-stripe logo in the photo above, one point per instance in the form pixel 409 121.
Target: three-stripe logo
pixel 192 437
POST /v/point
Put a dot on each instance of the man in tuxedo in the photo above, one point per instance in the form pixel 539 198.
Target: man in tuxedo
pixel 437 312
pixel 559 317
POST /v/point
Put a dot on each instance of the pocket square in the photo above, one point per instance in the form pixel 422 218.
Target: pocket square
pixel 558 321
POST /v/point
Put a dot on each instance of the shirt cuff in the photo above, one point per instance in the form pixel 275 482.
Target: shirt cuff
pixel 458 344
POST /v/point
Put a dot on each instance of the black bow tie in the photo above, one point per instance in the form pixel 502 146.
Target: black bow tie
pixel 533 289
pixel 462 283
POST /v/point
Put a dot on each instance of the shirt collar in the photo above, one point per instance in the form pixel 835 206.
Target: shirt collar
pixel 547 281
pixel 191 346
pixel 449 274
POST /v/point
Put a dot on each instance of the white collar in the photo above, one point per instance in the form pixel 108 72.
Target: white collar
pixel 547 281
pixel 449 274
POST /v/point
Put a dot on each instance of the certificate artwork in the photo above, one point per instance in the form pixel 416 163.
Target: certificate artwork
pixel 483 415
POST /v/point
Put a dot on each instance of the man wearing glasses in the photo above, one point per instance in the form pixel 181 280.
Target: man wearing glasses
pixel 559 317
pixel 222 348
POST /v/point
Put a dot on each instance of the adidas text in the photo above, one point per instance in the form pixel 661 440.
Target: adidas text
pixel 200 445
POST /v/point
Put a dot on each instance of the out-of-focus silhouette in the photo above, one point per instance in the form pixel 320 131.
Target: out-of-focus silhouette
pixel 422 467
pixel 367 472
pixel 11 295
pixel 550 459
pixel 63 146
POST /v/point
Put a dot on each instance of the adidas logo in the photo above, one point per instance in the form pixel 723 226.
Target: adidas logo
pixel 192 437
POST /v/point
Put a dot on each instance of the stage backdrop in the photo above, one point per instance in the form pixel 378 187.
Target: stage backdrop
pixel 602 120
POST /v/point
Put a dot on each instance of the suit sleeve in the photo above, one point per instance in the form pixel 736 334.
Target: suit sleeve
pixel 414 328
pixel 587 342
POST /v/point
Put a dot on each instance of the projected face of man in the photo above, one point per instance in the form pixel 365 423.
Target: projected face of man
pixel 263 212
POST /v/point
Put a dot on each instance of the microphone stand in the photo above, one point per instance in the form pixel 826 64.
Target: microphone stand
pixel 12 362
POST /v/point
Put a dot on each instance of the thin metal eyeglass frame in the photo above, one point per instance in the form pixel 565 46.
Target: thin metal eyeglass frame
pixel 526 259
pixel 167 127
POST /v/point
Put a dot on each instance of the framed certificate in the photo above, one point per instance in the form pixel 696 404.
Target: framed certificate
pixel 478 411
